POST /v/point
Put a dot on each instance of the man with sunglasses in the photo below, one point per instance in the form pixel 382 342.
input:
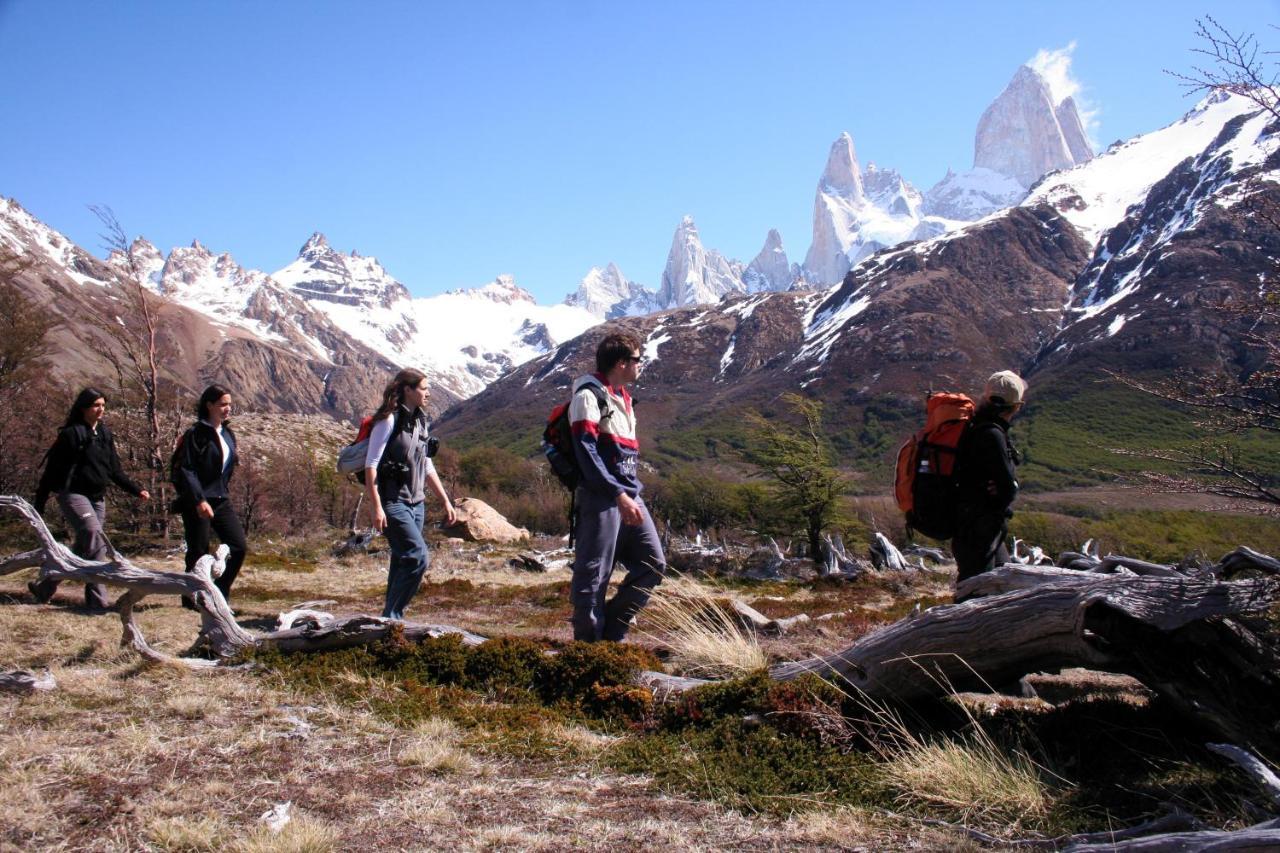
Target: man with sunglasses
pixel 613 523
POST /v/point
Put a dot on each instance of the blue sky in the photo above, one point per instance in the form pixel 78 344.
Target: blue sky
pixel 456 142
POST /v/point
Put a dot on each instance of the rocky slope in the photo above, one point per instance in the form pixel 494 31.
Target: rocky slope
pixel 272 367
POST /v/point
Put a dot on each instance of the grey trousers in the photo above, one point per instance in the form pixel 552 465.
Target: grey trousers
pixel 86 518
pixel 602 540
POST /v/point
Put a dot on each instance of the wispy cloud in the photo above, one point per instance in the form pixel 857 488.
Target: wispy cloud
pixel 1055 67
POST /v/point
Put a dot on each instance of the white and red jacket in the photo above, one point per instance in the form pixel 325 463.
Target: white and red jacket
pixel 605 443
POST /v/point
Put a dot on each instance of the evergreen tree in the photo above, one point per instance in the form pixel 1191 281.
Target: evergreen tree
pixel 796 455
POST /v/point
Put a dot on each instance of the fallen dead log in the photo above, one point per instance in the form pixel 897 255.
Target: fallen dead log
pixel 1243 558
pixel 355 631
pixel 219 634
pixel 758 622
pixel 25 681
pixel 886 556
pixel 218 629
pixel 1174 821
pixel 1263 836
pixel 1251 764
pixel 1175 635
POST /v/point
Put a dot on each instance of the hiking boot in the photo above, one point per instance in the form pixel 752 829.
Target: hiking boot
pixel 38 594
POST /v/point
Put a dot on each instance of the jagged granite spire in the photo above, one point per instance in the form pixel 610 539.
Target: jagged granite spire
pixel 695 275
pixel 1022 133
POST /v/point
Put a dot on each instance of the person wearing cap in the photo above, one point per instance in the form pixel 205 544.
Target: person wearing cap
pixel 985 477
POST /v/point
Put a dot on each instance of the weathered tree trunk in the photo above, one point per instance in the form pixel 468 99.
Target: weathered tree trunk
pixel 219 632
pixel 218 629
pixel 25 681
pixel 1174 634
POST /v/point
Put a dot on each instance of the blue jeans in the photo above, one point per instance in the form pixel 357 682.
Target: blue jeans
pixel 409 555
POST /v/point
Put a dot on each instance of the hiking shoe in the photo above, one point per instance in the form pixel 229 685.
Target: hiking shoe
pixel 33 587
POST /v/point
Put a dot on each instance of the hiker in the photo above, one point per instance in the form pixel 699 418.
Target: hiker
pixel 204 462
pixel 396 473
pixel 613 522
pixel 78 468
pixel 985 481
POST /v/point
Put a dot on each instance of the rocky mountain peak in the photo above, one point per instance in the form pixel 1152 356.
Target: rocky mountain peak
pixel 606 292
pixel 504 289
pixel 1022 133
pixel 695 275
pixel 842 177
pixel 316 246
pixel 888 190
pixel 770 269
pixel 856 213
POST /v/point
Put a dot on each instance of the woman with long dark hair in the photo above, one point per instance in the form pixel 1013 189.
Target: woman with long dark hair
pixel 397 472
pixel 79 467
pixel 206 461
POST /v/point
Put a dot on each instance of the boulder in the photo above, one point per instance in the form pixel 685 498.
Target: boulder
pixel 479 522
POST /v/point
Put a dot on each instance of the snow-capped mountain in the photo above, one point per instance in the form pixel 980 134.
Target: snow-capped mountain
pixel 606 293
pixel 463 339
pixel 971 195
pixel 321 273
pixel 1160 211
pixel 214 321
pixel 770 269
pixel 695 275
pixel 1021 136
pixel 1024 134
pixel 1113 264
pixel 856 214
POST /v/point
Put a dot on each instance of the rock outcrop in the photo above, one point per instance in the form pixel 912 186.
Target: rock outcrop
pixel 479 522
pixel 1024 134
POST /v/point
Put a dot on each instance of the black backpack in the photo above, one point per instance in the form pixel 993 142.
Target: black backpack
pixel 557 439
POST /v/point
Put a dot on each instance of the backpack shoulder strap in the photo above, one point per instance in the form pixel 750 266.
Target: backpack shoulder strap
pixel 602 398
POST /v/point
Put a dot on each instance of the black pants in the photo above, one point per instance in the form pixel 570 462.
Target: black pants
pixel 979 544
pixel 226 524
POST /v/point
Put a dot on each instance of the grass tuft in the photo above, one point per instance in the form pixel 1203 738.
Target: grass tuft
pixel 433 746
pixel 970 779
pixel 705 639
pixel 300 835
pixel 185 834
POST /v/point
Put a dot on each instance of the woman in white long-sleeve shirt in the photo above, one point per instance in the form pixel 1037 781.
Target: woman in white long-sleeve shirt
pixel 396 474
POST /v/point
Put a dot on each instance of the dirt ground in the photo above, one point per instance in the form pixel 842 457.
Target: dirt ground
pixel 123 756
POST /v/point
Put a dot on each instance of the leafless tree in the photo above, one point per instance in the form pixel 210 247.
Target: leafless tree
pixel 1229 406
pixel 24 380
pixel 137 360
pixel 1238 66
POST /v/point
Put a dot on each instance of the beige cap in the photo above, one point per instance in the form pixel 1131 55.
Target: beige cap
pixel 1006 387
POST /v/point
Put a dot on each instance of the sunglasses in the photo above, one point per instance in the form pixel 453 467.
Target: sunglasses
pixel 633 358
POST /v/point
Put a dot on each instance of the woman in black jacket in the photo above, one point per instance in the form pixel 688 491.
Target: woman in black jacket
pixel 207 459
pixel 79 467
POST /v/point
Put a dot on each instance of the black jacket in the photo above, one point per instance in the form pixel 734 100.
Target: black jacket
pixel 985 463
pixel 200 474
pixel 84 462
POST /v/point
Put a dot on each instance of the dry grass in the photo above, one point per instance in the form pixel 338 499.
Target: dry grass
pixel 690 618
pixel 301 835
pixel 195 834
pixel 126 756
pixel 433 746
pixel 970 778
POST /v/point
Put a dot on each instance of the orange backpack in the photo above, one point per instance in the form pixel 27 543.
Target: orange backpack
pixel 925 486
